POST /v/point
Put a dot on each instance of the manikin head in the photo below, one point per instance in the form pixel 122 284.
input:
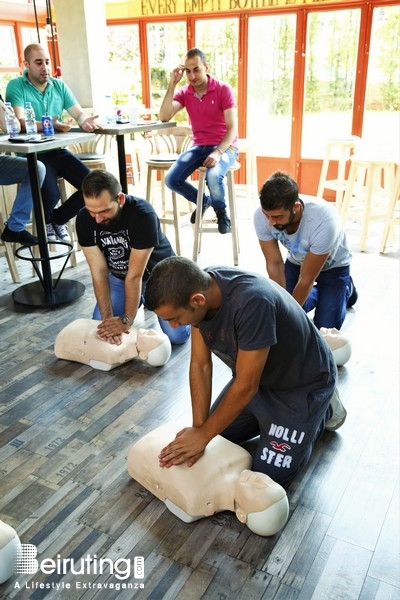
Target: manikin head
pixel 261 503
pixel 153 346
pixel 339 343
pixel 10 548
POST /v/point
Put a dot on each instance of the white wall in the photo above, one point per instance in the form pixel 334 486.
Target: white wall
pixel 81 29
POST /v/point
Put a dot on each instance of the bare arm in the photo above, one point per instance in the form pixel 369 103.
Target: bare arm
pixel 169 107
pixel 200 376
pixel 249 368
pixel 309 271
pixel 273 261
pixel 112 327
pixel 99 272
pixel 133 281
pixel 231 121
pixel 20 114
pixel 76 112
pixel 87 123
pixel 230 115
pixel 189 443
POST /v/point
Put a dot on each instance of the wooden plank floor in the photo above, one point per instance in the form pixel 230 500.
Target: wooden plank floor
pixel 66 429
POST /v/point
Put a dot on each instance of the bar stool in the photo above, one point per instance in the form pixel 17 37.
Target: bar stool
pixel 96 153
pixel 342 148
pixel 392 217
pixel 369 190
pixel 207 225
pixel 136 168
pixel 166 217
pixel 174 140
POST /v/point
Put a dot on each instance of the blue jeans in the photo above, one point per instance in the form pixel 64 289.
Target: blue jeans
pixel 178 335
pixel 14 169
pixel 329 295
pixel 62 163
pixel 192 159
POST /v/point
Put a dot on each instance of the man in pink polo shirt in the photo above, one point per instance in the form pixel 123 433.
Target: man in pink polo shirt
pixel 211 107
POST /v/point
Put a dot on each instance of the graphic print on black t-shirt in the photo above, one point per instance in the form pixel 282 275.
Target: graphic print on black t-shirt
pixel 137 227
pixel 116 249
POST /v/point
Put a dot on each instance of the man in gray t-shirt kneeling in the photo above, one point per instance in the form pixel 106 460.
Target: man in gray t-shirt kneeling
pixel 317 269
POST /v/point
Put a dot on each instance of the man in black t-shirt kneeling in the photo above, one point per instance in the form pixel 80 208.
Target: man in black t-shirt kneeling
pixel 122 241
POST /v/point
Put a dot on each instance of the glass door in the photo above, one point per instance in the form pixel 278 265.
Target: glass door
pixel 330 74
pixel 124 57
pixel 381 127
pixel 219 40
pixel 271 51
pixel 166 43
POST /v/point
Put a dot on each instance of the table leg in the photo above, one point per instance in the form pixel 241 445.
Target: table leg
pixel 40 222
pixel 44 293
pixel 122 163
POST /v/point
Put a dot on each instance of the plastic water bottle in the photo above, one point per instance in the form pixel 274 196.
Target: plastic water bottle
pixel 30 119
pixel 109 110
pixel 133 110
pixel 12 122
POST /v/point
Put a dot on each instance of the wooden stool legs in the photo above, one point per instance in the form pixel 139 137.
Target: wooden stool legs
pixel 370 186
pixel 206 226
pixel 342 148
pixel 174 219
pixel 199 214
pixel 391 218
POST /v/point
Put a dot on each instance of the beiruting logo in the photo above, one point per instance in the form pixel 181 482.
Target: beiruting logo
pixel 25 562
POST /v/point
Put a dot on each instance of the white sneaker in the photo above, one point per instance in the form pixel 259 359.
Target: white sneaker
pixel 51 234
pixel 339 413
pixel 62 233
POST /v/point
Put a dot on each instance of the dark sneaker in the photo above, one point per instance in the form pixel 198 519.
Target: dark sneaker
pixel 51 234
pixel 21 237
pixel 353 294
pixel 193 215
pixel 224 222
pixel 61 232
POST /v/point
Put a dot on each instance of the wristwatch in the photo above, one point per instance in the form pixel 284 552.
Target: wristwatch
pixel 126 320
